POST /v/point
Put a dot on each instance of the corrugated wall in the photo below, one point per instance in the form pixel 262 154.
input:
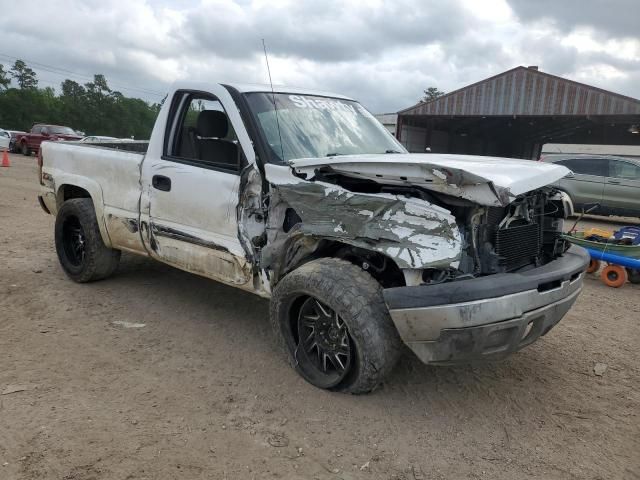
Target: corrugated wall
pixel 524 91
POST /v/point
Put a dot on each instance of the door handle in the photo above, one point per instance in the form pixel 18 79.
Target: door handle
pixel 160 182
pixel 615 182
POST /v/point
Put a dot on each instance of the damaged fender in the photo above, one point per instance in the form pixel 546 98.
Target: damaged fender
pixel 412 232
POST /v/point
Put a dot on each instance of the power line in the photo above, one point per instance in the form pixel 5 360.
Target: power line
pixel 63 72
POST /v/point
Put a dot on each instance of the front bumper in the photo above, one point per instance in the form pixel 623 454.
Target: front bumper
pixel 487 317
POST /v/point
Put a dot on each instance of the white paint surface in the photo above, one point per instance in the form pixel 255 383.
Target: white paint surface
pixel 472 177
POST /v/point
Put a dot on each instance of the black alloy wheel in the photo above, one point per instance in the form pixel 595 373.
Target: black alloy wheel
pixel 331 321
pixel 324 350
pixel 74 241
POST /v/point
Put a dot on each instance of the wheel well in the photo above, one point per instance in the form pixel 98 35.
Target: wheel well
pixel 379 266
pixel 67 192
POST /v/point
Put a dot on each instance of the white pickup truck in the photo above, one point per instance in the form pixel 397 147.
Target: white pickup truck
pixel 304 198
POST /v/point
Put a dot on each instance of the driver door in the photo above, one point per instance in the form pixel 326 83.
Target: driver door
pixel 192 192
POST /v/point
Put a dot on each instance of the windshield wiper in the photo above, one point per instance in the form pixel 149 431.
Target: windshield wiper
pixel 392 151
pixel 333 154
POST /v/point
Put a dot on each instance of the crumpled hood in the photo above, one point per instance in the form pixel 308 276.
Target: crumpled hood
pixel 492 181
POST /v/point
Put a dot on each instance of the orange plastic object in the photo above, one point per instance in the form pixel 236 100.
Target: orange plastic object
pixel 614 276
pixel 594 266
pixel 5 160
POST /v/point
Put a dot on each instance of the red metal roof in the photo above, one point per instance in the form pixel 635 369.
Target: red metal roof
pixel 529 92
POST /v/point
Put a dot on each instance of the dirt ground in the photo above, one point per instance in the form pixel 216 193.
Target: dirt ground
pixel 200 391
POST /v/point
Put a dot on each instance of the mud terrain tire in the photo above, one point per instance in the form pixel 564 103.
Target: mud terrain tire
pixel 356 298
pixel 83 255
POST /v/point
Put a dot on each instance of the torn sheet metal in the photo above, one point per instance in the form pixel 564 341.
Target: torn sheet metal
pixel 490 181
pixel 199 255
pixel 250 213
pixel 414 233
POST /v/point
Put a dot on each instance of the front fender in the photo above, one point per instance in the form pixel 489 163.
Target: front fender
pixel 412 232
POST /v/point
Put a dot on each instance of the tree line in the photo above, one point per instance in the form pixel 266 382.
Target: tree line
pixel 93 108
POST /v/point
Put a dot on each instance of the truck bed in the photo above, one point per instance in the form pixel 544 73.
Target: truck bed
pixel 135 147
pixel 108 172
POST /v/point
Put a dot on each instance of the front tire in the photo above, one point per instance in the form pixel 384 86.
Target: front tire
pixel 83 255
pixel 330 318
pixel 25 149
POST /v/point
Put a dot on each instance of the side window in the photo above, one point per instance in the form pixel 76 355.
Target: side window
pixel 619 169
pixel 586 166
pixel 43 130
pixel 202 133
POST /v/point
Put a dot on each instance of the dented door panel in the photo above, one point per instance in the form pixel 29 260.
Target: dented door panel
pixel 193 226
pixel 195 253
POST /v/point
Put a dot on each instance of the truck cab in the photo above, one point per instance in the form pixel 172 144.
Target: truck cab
pixel 304 198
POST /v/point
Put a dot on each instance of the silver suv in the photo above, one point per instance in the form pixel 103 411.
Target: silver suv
pixel 612 182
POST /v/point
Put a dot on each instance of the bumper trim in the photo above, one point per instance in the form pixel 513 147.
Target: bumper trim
pixel 574 261
pixel 486 320
pixel 493 341
pixel 43 205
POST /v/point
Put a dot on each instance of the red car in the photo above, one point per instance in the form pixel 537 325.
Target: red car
pixel 30 142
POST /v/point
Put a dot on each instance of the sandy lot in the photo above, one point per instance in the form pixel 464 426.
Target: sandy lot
pixel 200 390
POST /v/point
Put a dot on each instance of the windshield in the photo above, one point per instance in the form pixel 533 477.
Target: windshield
pixel 61 130
pixel 312 127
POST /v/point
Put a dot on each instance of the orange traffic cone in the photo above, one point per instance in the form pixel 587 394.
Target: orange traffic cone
pixel 5 160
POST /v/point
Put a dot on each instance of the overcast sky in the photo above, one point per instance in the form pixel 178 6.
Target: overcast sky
pixel 383 53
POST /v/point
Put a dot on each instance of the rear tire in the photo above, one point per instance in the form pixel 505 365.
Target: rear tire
pixel 356 343
pixel 83 255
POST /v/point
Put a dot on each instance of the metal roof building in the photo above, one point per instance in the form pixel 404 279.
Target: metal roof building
pixel 515 112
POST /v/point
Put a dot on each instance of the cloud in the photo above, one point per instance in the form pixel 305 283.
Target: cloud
pixel 383 53
pixel 616 18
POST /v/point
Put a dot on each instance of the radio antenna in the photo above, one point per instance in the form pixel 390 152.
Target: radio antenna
pixel 273 98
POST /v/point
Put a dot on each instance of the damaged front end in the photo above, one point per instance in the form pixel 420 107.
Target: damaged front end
pixel 306 216
pixel 404 235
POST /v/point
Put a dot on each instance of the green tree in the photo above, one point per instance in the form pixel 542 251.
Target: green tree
pixel 72 103
pixel 93 107
pixel 71 89
pixel 431 93
pixel 5 80
pixel 23 75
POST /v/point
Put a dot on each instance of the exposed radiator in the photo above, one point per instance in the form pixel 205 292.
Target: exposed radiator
pixel 518 246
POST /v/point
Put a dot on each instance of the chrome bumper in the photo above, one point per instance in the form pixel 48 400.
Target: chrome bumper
pixel 487 328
